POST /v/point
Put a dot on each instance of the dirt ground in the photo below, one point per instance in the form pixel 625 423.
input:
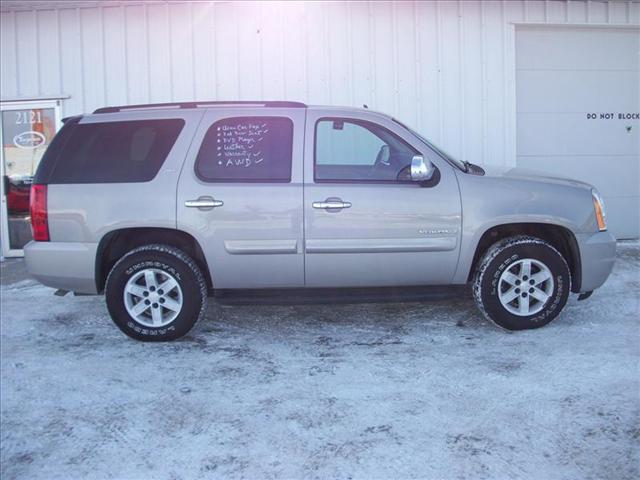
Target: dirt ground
pixel 366 391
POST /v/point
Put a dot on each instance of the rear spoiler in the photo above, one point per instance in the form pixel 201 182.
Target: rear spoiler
pixel 65 119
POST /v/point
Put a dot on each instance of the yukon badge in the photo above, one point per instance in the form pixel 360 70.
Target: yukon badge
pixel 437 231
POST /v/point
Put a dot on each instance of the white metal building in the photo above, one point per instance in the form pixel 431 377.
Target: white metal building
pixel 549 85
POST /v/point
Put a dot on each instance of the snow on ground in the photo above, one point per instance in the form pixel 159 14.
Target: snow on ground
pixel 371 391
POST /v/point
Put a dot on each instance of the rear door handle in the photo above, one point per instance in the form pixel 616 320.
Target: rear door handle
pixel 331 204
pixel 204 203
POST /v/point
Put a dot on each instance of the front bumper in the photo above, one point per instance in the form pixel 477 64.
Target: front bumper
pixel 597 256
pixel 66 265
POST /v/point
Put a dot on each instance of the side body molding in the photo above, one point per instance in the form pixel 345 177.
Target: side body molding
pixel 381 245
pixel 257 247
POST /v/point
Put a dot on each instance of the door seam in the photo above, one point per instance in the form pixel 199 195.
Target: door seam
pixel 304 206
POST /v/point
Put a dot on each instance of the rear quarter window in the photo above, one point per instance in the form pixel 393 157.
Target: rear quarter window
pixel 114 152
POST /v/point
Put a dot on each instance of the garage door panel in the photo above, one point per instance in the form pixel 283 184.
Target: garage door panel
pixel 573 134
pixel 578 48
pixel 570 91
pixel 622 216
pixel 563 74
pixel 596 170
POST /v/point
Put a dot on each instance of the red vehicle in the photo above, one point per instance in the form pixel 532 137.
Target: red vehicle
pixel 18 194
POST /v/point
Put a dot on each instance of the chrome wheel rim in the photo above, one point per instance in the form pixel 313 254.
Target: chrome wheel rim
pixel 153 297
pixel 525 287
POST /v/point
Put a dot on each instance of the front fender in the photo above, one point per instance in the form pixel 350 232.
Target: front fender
pixel 489 202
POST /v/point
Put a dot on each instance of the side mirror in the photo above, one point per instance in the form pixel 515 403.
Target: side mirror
pixel 421 170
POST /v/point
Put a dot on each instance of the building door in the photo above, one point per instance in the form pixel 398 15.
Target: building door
pixel 578 107
pixel 26 128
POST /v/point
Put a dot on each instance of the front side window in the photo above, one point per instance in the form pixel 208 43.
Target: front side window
pixel 349 150
pixel 247 149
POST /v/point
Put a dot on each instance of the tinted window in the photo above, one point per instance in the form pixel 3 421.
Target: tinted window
pixel 114 152
pixel 52 153
pixel 353 150
pixel 247 149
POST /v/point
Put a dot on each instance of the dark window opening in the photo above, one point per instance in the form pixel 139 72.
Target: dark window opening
pixel 114 152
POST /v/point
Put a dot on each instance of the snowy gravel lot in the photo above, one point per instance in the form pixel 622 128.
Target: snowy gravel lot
pixel 370 391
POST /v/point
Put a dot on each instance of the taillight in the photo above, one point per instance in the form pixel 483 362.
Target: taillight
pixel 38 209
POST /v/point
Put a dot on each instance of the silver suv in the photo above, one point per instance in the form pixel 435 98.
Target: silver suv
pixel 159 206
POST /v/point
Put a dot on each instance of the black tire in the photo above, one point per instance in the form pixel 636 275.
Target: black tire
pixel 165 259
pixel 503 255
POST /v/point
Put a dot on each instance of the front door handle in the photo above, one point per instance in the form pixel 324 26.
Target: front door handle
pixel 204 203
pixel 331 204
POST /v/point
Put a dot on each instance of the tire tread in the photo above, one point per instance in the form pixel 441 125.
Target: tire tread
pixel 178 254
pixel 492 252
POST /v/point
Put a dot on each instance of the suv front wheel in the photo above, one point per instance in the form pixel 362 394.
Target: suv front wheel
pixel 522 283
pixel 156 293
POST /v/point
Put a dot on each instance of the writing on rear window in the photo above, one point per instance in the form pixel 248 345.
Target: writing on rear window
pixel 247 149
pixel 241 145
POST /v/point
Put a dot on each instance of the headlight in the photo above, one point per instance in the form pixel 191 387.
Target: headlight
pixel 601 214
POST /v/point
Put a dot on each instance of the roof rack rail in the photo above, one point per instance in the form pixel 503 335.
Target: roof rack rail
pixel 152 106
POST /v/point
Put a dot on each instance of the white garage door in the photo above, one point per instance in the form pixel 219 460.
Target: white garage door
pixel 578 99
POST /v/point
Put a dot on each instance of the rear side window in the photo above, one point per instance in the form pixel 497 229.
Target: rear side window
pixel 247 149
pixel 115 152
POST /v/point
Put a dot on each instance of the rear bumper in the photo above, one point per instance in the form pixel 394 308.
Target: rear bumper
pixel 597 256
pixel 65 265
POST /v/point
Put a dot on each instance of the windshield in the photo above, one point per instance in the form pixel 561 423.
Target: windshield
pixel 454 161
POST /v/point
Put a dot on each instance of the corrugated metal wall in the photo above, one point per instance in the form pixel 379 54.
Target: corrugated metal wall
pixel 446 68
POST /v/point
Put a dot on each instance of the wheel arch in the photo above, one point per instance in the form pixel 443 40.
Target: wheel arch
pixel 116 243
pixel 558 236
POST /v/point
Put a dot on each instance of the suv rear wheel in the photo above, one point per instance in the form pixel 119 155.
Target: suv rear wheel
pixel 156 293
pixel 521 283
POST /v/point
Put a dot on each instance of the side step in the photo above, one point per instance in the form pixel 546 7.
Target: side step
pixel 310 296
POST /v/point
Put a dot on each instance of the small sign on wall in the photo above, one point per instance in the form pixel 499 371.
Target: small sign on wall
pixel 615 116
